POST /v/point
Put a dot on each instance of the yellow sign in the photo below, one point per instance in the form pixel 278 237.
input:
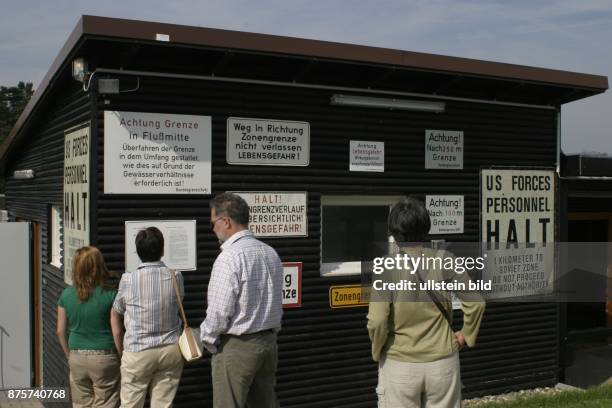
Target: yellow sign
pixel 348 296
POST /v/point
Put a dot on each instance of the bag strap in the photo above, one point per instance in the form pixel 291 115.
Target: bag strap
pixel 447 316
pixel 435 299
pixel 178 297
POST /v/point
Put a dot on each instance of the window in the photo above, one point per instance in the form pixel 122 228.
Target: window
pixel 353 229
pixel 55 235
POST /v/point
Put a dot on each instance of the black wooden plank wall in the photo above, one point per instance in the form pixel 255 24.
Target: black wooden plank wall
pixel 31 200
pixel 325 354
pixel 589 195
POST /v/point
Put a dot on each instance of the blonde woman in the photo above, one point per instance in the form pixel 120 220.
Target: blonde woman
pixel 93 353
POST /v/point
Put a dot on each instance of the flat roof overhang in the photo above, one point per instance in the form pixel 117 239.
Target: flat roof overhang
pixel 109 43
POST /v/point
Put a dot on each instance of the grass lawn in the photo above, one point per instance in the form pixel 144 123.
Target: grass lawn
pixel 596 397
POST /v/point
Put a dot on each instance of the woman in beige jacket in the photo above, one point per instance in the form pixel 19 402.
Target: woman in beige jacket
pixel 417 350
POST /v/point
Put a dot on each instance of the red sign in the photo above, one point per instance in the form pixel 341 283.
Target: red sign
pixel 292 284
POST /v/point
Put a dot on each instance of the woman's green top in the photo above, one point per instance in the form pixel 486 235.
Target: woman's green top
pixel 89 321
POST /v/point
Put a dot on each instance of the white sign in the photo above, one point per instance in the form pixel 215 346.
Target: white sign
pixel 444 149
pixel 518 207
pixel 276 213
pixel 446 213
pixel 77 143
pixel 179 243
pixel 267 142
pixel 156 153
pixel 292 284
pixel 367 156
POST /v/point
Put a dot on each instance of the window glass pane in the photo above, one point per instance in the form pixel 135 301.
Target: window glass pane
pixel 350 233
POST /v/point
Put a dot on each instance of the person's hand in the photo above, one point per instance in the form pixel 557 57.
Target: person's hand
pixel 460 339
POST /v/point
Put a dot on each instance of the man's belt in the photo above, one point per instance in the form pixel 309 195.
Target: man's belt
pixel 258 333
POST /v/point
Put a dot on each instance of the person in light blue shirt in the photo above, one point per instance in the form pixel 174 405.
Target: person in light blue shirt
pixel 244 310
pixel 147 302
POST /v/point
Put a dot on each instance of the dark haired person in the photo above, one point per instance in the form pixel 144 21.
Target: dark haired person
pixel 84 309
pixel 412 339
pixel 244 310
pixel 148 304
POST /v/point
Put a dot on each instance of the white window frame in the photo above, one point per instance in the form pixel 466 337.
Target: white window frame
pixel 55 236
pixel 348 268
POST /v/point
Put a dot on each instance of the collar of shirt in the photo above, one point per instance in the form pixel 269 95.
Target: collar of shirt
pixel 236 237
pixel 148 264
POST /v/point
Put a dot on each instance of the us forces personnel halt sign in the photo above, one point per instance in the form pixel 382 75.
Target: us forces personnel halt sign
pixel 76 194
pixel 518 220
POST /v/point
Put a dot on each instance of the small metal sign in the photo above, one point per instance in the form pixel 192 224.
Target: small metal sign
pixel 292 284
pixel 349 296
pixel 446 213
pixel 267 142
pixel 444 149
pixel 367 156
pixel 277 213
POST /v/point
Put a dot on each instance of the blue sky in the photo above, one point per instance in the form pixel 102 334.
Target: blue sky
pixel 573 35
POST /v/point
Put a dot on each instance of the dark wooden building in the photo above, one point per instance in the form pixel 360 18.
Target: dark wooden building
pixel 499 115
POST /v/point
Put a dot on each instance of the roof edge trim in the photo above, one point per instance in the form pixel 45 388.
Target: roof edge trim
pixel 229 39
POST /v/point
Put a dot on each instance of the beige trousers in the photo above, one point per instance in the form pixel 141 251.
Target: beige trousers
pixel 159 367
pixel 94 380
pixel 244 372
pixel 436 384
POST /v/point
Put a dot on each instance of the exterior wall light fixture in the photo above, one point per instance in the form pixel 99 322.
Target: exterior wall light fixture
pixel 387 103
pixel 79 69
pixel 23 174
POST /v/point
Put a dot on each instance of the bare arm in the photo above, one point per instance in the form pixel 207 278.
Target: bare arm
pixel 117 329
pixel 62 323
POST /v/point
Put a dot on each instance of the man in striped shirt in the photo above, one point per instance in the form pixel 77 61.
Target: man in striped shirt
pixel 244 310
pixel 147 301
